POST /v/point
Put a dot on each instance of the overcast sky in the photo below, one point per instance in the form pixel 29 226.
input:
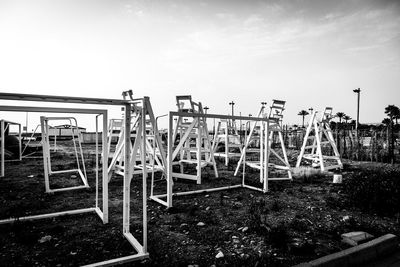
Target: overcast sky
pixel 311 53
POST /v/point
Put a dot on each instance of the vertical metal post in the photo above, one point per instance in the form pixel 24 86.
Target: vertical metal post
pixel 105 168
pixel 127 178
pixel 97 162
pixel 3 138
pixel 266 157
pixel 45 153
pixel 20 142
pixel 169 161
pixel 144 173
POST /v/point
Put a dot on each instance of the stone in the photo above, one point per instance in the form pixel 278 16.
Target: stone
pixel 356 238
pixel 44 239
pixel 219 255
pixel 201 224
pixel 245 229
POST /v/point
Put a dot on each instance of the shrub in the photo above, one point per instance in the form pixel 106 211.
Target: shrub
pixel 375 190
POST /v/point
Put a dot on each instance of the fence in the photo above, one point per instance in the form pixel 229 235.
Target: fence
pixel 373 143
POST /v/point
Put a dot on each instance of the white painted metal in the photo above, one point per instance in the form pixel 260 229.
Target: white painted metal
pixel 320 133
pixel 3 128
pixel 274 125
pixel 141 249
pixel 194 139
pixel 227 134
pixel 44 121
pixel 170 151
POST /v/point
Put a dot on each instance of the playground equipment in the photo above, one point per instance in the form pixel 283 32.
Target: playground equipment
pixel 319 140
pixel 142 119
pixel 194 144
pixel 5 138
pixel 114 132
pixel 227 134
pixel 166 198
pixel 141 248
pixel 266 149
pixel 76 140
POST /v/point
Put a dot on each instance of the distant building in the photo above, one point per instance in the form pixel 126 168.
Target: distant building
pixel 65 131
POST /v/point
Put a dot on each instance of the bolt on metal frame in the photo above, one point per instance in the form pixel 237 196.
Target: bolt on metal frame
pixel 3 128
pixel 169 195
pixel 141 249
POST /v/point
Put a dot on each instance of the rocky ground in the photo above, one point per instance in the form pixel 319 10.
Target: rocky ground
pixel 294 222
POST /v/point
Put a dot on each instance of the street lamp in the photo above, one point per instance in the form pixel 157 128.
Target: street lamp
pixel 232 104
pixel 357 91
pixel 206 108
pixel 311 110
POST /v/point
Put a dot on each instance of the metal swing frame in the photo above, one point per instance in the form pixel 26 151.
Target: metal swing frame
pixel 171 151
pixel 141 249
pixel 2 146
pixel 44 123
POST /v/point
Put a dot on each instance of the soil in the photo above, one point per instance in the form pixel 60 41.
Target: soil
pixel 292 223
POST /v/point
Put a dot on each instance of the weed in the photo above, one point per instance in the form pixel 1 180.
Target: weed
pixel 375 190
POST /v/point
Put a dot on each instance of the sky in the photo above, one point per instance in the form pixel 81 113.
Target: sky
pixel 310 53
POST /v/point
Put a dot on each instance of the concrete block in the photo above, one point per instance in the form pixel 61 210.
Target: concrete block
pixel 386 244
pixel 356 238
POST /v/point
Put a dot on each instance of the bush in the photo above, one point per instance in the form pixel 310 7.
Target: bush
pixel 375 190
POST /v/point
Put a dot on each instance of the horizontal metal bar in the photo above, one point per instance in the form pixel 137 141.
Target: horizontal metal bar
pixel 279 179
pixel 207 190
pixel 11 122
pixel 48 215
pixel 65 99
pixel 253 188
pixel 120 260
pixel 156 199
pixel 68 188
pixel 216 116
pixel 52 110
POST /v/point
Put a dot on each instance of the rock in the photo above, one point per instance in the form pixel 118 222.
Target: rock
pixel 73 176
pixel 346 218
pixel 245 229
pixel 201 224
pixel 184 224
pixel 207 195
pixel 208 208
pixel 31 176
pixel 219 255
pixel 44 239
pixel 356 238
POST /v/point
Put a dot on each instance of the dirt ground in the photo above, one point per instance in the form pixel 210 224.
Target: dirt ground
pixel 294 222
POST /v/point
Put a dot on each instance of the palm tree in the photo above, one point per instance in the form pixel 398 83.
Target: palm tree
pixel 346 118
pixel 303 113
pixel 340 115
pixel 393 112
pixel 386 121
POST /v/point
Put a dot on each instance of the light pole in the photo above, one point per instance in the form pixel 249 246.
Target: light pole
pixel 357 91
pixel 232 104
pixel 311 110
pixel 206 108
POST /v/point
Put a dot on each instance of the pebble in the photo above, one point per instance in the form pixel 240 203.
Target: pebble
pixel 208 208
pixel 245 229
pixel 201 224
pixel 219 255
